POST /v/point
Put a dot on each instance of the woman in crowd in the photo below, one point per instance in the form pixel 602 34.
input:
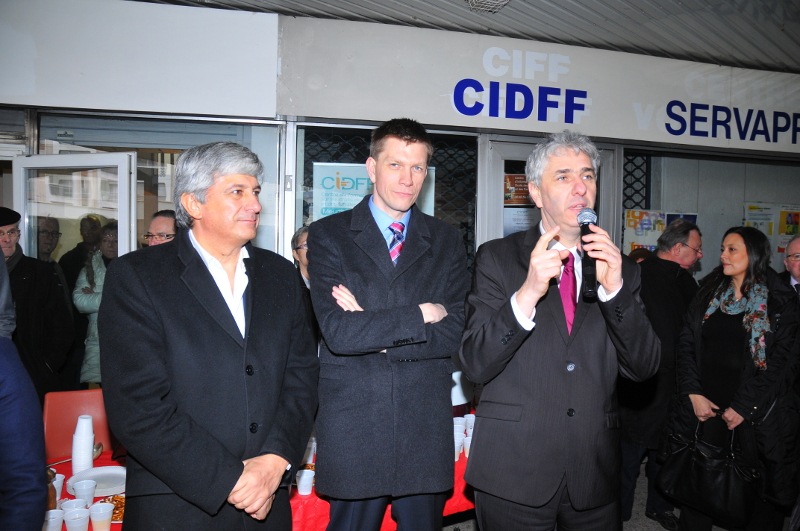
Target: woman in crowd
pixel 737 360
pixel 300 254
pixel 86 296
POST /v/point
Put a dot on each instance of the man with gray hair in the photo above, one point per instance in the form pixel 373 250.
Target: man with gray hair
pixel 209 366
pixel 545 448
pixel 791 261
pixel 667 290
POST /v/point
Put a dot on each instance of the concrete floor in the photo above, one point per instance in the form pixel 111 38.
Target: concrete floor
pixel 639 522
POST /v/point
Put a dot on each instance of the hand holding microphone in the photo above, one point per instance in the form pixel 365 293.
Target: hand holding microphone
pixel 601 260
pixel 587 217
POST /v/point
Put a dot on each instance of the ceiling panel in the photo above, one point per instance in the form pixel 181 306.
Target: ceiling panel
pixel 741 33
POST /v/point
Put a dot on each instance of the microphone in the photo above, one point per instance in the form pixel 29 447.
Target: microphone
pixel 585 217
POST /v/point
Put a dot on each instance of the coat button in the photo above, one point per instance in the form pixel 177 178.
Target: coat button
pixel 249 370
pixel 570 367
pixel 570 413
pixel 254 427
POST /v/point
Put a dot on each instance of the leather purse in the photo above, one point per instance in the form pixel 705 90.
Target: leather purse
pixel 714 480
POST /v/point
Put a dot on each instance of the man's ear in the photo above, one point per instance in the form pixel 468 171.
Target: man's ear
pixel 371 164
pixel 191 205
pixel 535 194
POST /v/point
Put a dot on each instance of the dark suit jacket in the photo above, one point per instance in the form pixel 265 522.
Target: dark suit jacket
pixel 189 397
pixel 548 407
pixel 384 425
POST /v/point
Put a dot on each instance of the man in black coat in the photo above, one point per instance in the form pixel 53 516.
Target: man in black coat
pixel 545 447
pixel 791 261
pixel 209 368
pixel 390 319
pixel 667 291
pixel 44 323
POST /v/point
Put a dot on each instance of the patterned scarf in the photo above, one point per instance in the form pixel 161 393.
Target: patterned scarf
pixel 755 321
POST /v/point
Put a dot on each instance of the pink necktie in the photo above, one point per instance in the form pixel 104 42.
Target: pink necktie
pixel 396 245
pixel 568 290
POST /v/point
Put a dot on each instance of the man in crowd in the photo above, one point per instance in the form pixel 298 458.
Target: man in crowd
pixel 209 367
pixel 44 325
pixel 73 261
pixel 546 445
pixel 388 285
pixel 791 261
pixel 667 291
pixel 162 228
pixel 49 235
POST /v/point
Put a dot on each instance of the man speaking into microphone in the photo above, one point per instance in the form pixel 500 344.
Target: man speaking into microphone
pixel 545 448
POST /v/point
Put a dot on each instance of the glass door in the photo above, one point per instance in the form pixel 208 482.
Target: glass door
pixel 53 193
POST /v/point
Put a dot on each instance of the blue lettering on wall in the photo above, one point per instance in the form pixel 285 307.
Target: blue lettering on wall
pixel 779 128
pixel 545 102
pixel 677 117
pixel 751 124
pixel 512 89
pixel 458 97
pixel 695 119
pixel 570 105
pixel 760 127
pixel 717 122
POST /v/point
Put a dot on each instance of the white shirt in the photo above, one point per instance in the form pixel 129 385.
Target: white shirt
pixel 234 299
pixel 527 322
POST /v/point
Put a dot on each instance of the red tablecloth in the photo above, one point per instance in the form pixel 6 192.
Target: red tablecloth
pixel 310 513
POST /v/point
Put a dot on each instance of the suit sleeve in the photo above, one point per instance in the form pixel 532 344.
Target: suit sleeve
pixel 86 302
pixel 141 413
pixel 373 330
pixel 57 321
pixel 688 372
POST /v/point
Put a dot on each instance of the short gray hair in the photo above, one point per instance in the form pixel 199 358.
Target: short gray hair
pixel 786 251
pixel 198 168
pixel 297 235
pixel 677 232
pixel 555 145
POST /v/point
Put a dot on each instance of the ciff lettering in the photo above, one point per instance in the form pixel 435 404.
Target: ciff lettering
pixel 345 183
pixel 520 101
pixel 720 121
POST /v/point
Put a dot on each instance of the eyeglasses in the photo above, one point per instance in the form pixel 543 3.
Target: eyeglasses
pixel 50 233
pixel 698 251
pixel 301 246
pixel 10 232
pixel 793 257
pixel 159 237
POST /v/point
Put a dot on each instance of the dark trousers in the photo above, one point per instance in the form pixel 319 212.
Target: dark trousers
pixel 420 512
pixel 497 514
pixel 766 517
pixel 631 465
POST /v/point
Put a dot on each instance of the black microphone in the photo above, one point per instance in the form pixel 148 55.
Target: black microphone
pixel 585 217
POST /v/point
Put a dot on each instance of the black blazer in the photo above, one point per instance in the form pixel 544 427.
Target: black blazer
pixel 385 420
pixel 188 396
pixel 548 406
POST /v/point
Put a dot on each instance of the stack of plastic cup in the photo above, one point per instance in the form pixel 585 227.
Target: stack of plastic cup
pixel 459 443
pixel 467 444
pixel 82 445
pixel 470 423
pixel 311 451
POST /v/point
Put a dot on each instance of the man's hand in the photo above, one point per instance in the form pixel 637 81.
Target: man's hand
pixel 609 260
pixel 432 313
pixel 544 265
pixel 702 407
pixel 346 300
pixel 732 418
pixel 255 490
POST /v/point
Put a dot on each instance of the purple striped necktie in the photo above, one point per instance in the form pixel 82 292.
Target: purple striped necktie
pixel 568 291
pixel 396 245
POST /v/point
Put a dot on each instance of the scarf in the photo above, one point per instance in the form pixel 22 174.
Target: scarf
pixel 755 321
pixel 14 259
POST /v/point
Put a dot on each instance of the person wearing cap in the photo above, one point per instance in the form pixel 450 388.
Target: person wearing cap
pixel 44 324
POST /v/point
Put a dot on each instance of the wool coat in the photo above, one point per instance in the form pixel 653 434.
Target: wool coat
pixel 384 426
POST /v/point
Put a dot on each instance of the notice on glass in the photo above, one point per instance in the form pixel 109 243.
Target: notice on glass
pixel 516 190
pixel 517 219
pixel 341 186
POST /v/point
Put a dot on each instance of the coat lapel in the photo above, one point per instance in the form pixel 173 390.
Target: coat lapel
pixel 417 242
pixel 200 282
pixel 550 306
pixel 367 236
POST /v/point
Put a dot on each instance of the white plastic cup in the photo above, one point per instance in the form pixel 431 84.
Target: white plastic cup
pixel 470 418
pixel 53 520
pixel 58 484
pixel 77 520
pixel 459 443
pixel 84 427
pixel 82 449
pixel 101 514
pixel 311 450
pixel 70 505
pixel 467 444
pixel 459 421
pixel 85 490
pixel 458 430
pixel 305 480
pixel 470 429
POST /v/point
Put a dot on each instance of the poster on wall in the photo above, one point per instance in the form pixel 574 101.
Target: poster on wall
pixel 519 212
pixel 643 228
pixel 340 186
pixel 780 222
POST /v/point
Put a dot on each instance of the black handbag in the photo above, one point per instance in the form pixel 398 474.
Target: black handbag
pixel 714 480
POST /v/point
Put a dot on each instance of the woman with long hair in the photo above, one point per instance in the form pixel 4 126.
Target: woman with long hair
pixel 737 361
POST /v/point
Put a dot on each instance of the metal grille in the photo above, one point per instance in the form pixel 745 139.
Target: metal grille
pixel 636 182
pixel 454 157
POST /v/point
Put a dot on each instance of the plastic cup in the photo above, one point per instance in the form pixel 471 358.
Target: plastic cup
pixel 305 480
pixel 77 519
pixel 467 444
pixel 459 421
pixel 311 450
pixel 101 514
pixel 470 418
pixel 85 490
pixel 84 427
pixel 470 429
pixel 58 484
pixel 53 520
pixel 459 443
pixel 70 505
pixel 458 430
